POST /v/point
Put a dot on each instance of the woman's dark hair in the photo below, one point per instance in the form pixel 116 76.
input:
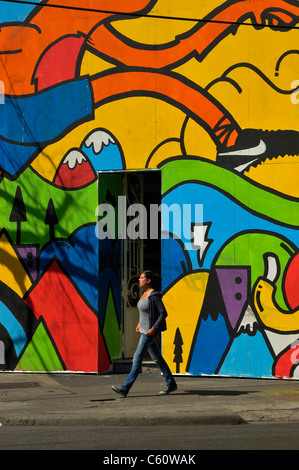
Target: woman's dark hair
pixel 154 278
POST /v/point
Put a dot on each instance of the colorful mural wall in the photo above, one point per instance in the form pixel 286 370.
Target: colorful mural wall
pixel 206 91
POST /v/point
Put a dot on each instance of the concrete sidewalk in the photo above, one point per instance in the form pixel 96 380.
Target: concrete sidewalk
pixel 86 399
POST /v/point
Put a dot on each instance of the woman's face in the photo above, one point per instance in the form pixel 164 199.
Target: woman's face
pixel 144 282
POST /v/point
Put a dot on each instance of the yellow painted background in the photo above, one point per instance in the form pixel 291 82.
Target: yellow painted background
pixel 140 124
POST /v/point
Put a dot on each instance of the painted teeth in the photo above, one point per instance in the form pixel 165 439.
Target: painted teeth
pixel 97 139
pixel 73 157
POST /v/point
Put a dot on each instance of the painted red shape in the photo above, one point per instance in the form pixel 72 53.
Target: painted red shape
pixel 59 62
pixel 292 283
pixel 286 362
pixel 77 177
pixel 72 324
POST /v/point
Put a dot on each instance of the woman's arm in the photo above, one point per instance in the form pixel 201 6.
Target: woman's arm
pixel 161 312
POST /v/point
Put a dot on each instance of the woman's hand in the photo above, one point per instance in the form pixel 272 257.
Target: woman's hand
pixel 151 331
pixel 137 328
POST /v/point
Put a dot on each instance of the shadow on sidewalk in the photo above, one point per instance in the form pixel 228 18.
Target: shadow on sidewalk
pixel 218 392
pixel 178 392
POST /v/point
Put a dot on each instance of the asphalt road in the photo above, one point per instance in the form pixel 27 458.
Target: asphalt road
pixel 262 436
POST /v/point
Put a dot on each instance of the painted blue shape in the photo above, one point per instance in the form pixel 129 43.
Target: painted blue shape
pixel 40 118
pixel 109 275
pixel 13 327
pixel 217 209
pixel 248 356
pixel 82 256
pixel 109 158
pixel 13 157
pixel 85 248
pixel 79 257
pixel 15 11
pixel 227 219
pixel 175 260
pixel 211 341
pixel 43 116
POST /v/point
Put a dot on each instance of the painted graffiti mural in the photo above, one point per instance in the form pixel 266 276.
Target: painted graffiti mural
pixel 206 92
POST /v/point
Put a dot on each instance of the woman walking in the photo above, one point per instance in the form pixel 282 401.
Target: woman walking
pixel 152 315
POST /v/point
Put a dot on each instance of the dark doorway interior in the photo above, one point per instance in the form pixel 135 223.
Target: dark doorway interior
pixel 152 195
pixel 123 260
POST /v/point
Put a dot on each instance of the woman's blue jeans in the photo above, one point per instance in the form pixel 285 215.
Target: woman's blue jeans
pixel 148 344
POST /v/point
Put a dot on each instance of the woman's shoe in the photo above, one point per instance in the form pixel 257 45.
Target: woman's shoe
pixel 119 390
pixel 169 390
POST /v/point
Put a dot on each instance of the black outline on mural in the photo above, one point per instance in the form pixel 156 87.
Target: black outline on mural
pixel 164 97
pixel 260 326
pixel 284 276
pixel 66 188
pixel 244 177
pixel 14 246
pixel 69 278
pixel 146 9
pixel 230 28
pixel 285 54
pixel 34 78
pixel 158 146
pixel 110 289
pixel 41 320
pixel 209 241
pixel 256 70
pixel 80 294
pixel 280 355
pixel 137 93
pixel 228 195
pixel 213 287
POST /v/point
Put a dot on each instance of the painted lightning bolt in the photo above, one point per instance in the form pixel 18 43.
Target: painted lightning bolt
pixel 200 241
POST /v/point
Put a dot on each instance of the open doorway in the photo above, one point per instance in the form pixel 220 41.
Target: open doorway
pixel 123 258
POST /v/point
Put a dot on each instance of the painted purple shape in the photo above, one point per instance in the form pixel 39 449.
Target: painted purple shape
pixel 29 254
pixel 234 287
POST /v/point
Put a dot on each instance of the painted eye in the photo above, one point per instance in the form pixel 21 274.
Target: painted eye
pixel 279 19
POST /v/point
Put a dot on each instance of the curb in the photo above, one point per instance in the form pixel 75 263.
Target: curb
pixel 164 419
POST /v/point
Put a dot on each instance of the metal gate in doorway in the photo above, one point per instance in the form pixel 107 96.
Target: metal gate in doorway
pixel 122 258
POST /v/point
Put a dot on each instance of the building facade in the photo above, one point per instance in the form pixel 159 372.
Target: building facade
pixel 150 134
